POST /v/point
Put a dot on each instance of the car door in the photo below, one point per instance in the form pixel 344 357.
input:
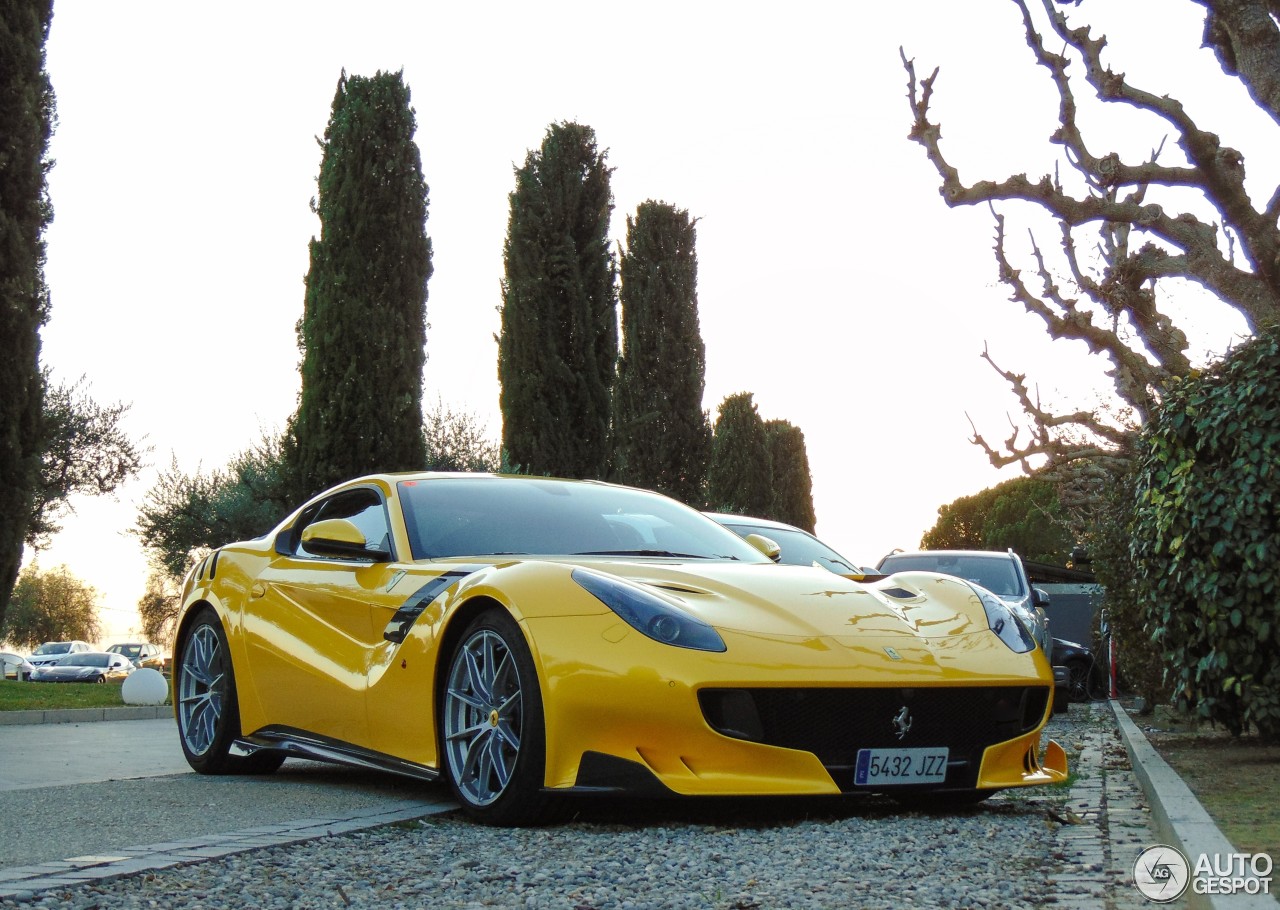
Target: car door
pixel 312 622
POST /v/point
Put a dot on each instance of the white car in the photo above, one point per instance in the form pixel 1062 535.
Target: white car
pixel 53 651
pixel 14 666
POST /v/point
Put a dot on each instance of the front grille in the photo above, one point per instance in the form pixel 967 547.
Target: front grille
pixel 834 724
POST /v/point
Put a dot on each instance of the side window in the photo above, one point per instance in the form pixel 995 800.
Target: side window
pixel 363 508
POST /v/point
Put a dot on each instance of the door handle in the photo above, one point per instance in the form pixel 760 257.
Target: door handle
pixel 258 589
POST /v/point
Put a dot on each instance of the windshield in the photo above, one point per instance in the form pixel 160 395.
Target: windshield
pixel 129 651
pixel 54 647
pixel 85 660
pixel 486 516
pixel 996 573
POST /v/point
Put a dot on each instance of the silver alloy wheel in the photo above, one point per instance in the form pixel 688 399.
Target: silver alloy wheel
pixel 483 717
pixel 201 689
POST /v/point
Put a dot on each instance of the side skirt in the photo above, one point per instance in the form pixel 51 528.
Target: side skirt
pixel 301 744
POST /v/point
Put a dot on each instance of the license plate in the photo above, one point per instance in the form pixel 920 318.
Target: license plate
pixel 889 767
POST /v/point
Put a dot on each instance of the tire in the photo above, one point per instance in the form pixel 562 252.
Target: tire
pixel 1078 688
pixel 492 732
pixel 208 710
pixel 100 679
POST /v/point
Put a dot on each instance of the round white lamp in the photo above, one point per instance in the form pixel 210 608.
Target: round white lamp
pixel 145 687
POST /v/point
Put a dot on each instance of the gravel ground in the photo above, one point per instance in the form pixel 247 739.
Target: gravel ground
pixel 864 852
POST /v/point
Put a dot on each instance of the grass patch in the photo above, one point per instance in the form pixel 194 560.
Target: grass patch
pixel 1237 780
pixel 29 696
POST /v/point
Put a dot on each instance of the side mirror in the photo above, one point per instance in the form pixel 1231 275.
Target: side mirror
pixel 1039 597
pixel 339 537
pixel 765 545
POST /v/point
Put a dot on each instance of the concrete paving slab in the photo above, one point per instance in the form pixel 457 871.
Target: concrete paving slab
pixel 61 754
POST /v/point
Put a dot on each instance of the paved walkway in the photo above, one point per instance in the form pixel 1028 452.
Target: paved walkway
pixel 72 793
pixel 1106 821
pixel 62 754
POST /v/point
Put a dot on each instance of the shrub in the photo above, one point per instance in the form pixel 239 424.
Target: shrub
pixel 1206 537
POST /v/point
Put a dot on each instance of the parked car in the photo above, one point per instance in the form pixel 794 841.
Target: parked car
pixel 85 666
pixel 1084 676
pixel 585 638
pixel 796 546
pixel 142 654
pixel 15 666
pixel 52 651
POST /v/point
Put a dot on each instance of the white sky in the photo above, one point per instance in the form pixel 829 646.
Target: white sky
pixel 834 283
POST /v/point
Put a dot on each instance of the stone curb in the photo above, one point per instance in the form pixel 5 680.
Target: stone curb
pixel 85 715
pixel 1179 818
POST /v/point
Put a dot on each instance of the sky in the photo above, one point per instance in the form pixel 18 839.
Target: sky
pixel 834 283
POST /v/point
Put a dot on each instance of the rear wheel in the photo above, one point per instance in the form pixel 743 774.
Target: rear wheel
pixel 208 712
pixel 494 740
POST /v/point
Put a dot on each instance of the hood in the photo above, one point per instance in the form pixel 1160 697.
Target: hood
pixel 808 602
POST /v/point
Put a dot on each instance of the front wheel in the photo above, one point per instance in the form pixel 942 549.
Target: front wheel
pixel 494 739
pixel 208 711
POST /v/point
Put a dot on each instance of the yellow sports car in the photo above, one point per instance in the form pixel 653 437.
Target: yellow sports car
pixel 531 638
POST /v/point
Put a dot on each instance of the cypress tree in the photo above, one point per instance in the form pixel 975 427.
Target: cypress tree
pixel 661 436
pixel 558 348
pixel 792 482
pixel 740 478
pixel 26 118
pixel 363 329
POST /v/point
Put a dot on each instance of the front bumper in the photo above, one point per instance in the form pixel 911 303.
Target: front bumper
pixel 651 719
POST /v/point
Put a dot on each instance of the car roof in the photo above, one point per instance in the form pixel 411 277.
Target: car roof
pixel 971 554
pixel 726 518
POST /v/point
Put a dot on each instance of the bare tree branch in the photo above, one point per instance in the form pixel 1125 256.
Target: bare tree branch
pixel 1115 307
pixel 1219 170
pixel 1093 437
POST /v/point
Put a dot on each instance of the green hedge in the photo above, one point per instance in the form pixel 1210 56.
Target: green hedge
pixel 1206 537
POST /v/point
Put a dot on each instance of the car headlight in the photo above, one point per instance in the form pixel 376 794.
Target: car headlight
pixel 1005 623
pixel 649 614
